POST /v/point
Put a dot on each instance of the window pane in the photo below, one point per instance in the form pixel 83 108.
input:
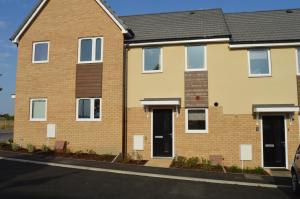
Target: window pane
pixel 195 57
pixel 84 109
pixel 259 63
pixel 97 109
pixel 196 120
pixel 152 59
pixel 41 52
pixel 98 49
pixel 38 109
pixel 86 50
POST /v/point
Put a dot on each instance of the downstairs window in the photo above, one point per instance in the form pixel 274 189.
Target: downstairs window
pixel 88 109
pixel 196 120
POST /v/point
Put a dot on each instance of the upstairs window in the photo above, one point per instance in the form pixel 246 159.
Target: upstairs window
pixel 40 52
pixel 38 109
pixel 298 61
pixel 89 109
pixel 259 63
pixel 90 50
pixel 196 120
pixel 196 58
pixel 152 60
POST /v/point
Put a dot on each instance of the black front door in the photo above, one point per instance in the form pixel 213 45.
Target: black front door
pixel 162 132
pixel 274 141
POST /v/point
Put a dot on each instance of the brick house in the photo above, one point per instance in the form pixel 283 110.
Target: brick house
pixel 196 83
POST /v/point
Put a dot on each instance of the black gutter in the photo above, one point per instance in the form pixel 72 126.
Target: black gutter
pixel 128 41
pixel 264 41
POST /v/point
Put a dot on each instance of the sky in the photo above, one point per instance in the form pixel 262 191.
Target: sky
pixel 13 12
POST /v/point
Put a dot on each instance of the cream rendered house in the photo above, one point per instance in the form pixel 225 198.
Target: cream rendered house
pixel 196 83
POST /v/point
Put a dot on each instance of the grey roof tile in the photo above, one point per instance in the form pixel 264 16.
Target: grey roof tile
pixel 247 27
pixel 264 26
pixel 177 25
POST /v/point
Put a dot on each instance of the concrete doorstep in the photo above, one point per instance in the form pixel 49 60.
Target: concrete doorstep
pixel 142 171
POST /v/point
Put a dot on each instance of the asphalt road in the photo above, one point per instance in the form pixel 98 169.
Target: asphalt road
pixel 23 180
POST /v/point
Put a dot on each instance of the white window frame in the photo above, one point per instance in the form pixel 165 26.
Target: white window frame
pixel 93 50
pixel 161 61
pixel 205 131
pixel 33 52
pixel 297 61
pixel 269 61
pixel 92 104
pixel 30 112
pixel 205 58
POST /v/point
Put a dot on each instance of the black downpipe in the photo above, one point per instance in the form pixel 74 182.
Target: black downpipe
pixel 124 125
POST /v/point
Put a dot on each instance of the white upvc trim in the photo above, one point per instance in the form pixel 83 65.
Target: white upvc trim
pixel 286 142
pixel 173 135
pixel 269 65
pixel 161 61
pixel 299 125
pixel 179 42
pixel 297 61
pixel 124 31
pixel 92 104
pixel 277 110
pixel 186 59
pixel 16 39
pixel 236 46
pixel 187 122
pixel 36 12
pixel 162 102
pixel 33 52
pixel 30 112
pixel 93 50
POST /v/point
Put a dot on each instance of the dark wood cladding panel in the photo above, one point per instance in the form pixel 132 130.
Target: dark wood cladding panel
pixel 196 89
pixel 89 80
pixel 298 88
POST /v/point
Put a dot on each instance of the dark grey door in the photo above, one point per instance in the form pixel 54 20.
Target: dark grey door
pixel 162 132
pixel 274 141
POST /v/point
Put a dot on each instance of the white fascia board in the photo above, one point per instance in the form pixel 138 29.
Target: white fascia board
pixel 153 103
pixel 277 109
pixel 237 46
pixel 16 39
pixel 180 42
pixel 124 31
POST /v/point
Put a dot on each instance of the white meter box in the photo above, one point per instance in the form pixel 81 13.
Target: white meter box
pixel 51 131
pixel 246 152
pixel 138 142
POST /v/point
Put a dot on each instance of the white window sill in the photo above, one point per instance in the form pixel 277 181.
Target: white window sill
pixel 197 132
pixel 88 120
pixel 195 70
pixel 266 75
pixel 90 62
pixel 152 71
pixel 40 62
pixel 38 120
